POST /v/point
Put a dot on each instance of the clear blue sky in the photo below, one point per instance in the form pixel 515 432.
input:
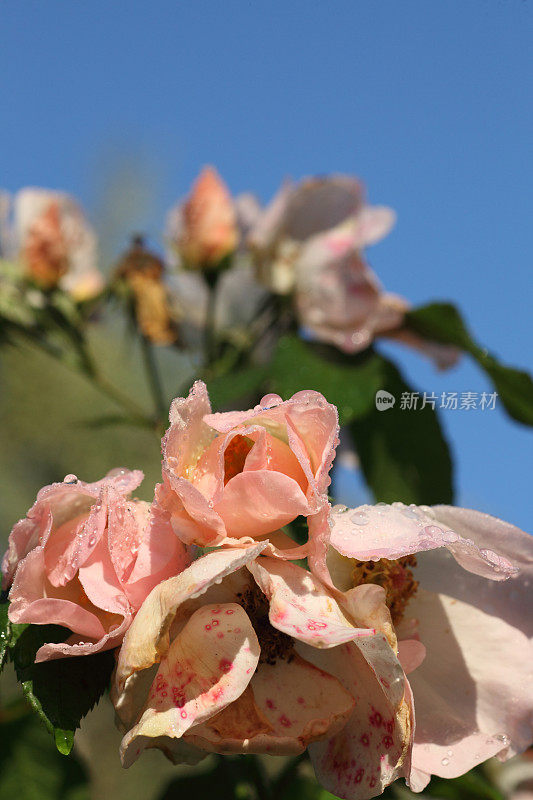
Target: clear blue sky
pixel 429 102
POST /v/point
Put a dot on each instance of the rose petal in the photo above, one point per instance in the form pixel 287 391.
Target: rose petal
pixel 208 666
pixel 300 606
pixel 259 502
pixel 286 706
pixel 369 533
pixel 372 750
pixel 148 638
pixel 473 692
pixel 30 600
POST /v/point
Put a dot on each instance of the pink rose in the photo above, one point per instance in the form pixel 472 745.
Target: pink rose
pixel 301 213
pixel 461 614
pixel 85 557
pixel 247 651
pixel 232 477
pixel 340 300
pixel 204 228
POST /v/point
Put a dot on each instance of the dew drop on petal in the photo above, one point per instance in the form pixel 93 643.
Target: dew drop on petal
pixel 503 738
pixel 359 518
pixel 432 530
pixel 445 762
pixel 339 508
pixel 92 540
pixel 70 478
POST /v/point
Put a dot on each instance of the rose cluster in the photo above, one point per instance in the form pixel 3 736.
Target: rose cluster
pixel 307 245
pixel 389 640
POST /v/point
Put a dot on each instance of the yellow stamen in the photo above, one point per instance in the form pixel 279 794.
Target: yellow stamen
pixel 396 577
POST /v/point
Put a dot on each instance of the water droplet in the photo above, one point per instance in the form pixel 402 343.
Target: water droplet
pixel 117 472
pixel 359 518
pixel 449 753
pixel 92 540
pixel 339 509
pixel 410 513
pixel 445 762
pixel 383 506
pixel 503 738
pixel 270 400
pixel 70 478
pixel 432 530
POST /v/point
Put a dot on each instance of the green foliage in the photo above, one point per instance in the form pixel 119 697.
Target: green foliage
pixel 403 453
pixel 61 691
pixel 30 767
pixel 348 382
pixel 4 632
pixel 236 385
pixel 441 322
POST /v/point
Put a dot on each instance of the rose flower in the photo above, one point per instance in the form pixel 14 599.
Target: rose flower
pixel 242 653
pixel 85 557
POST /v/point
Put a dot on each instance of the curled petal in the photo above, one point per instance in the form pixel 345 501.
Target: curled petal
pixel 148 638
pixel 369 533
pixel 286 706
pixel 208 666
pixel 301 606
pixel 372 749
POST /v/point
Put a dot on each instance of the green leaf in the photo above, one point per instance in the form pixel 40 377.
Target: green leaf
pixel 441 322
pixel 61 691
pixel 349 382
pixel 238 384
pixel 31 769
pixel 9 631
pixel 403 453
pixel 4 632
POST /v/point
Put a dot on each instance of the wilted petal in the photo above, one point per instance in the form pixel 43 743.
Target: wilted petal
pixel 481 630
pixel 149 635
pixel 372 749
pixel 286 706
pixel 208 666
pixel 444 356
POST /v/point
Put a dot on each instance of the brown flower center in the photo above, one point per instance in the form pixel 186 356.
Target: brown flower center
pixel 396 577
pixel 274 644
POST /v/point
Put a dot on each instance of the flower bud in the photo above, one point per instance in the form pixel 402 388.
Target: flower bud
pixel 205 226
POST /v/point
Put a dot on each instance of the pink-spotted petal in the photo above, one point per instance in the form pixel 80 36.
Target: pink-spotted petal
pixel 148 638
pixel 372 749
pixel 286 706
pixel 208 666
pixel 301 606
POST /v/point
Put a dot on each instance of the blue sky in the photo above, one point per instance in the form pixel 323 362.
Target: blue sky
pixel 430 103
